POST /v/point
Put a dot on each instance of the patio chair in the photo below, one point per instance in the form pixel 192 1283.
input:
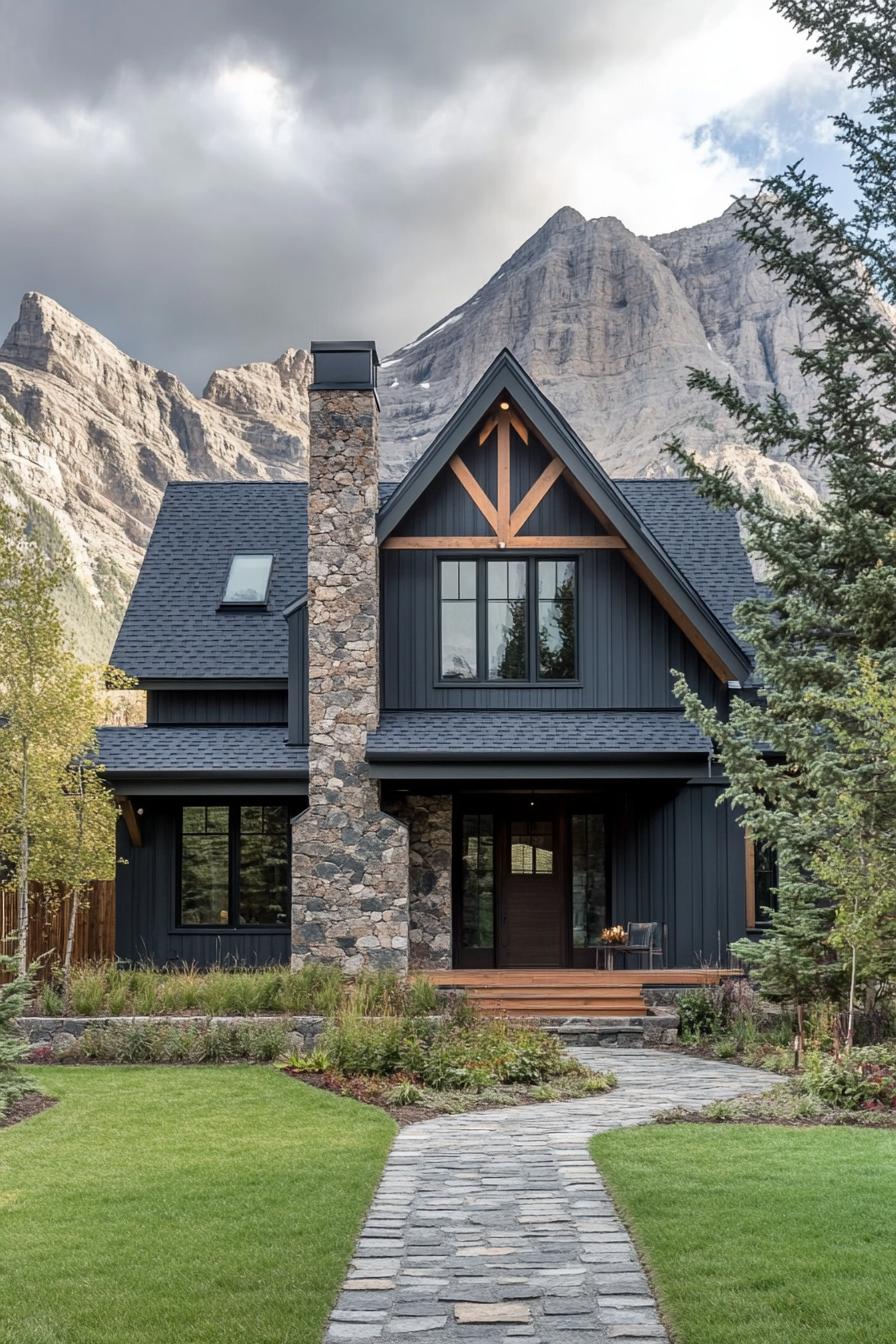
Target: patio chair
pixel 642 939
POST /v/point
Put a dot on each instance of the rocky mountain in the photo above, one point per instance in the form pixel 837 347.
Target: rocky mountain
pixel 609 324
pixel 606 321
pixel 89 438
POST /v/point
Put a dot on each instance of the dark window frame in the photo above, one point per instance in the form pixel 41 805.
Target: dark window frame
pixel 233 925
pixel 237 604
pixel 532 660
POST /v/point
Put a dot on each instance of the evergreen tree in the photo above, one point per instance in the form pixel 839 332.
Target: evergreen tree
pixel 14 995
pixel 803 746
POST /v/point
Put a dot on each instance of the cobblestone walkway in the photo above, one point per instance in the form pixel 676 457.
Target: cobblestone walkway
pixel 495 1225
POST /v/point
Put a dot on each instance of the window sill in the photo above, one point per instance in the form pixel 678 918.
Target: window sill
pixel 231 930
pixel 455 683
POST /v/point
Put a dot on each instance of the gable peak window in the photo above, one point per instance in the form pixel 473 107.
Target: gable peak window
pixel 248 580
pixel 508 619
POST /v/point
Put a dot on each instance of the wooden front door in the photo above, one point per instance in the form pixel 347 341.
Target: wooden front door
pixel 532 898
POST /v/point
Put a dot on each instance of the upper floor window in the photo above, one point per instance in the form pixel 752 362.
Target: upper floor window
pixel 507 619
pixel 248 580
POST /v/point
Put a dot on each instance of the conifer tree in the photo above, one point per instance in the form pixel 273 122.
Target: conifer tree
pixel 830 602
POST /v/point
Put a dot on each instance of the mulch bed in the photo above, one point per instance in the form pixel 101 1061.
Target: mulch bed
pixel 855 1119
pixel 32 1103
pixel 372 1092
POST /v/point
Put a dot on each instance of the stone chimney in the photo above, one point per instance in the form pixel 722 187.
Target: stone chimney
pixel 350 859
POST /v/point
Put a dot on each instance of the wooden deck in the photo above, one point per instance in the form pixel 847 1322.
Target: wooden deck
pixel 568 993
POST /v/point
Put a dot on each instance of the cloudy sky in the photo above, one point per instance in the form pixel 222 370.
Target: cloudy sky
pixel 211 181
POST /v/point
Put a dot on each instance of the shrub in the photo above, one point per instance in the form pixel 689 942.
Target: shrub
pixel 702 1013
pixel 865 1079
pixel 404 1094
pixel 464 1052
pixel 179 1043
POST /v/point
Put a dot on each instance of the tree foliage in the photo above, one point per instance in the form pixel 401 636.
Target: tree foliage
pixel 804 756
pixel 56 816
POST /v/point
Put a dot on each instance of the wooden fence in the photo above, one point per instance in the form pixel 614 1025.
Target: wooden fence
pixel 94 929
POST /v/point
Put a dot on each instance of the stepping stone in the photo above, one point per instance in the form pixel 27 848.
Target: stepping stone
pixel 488 1313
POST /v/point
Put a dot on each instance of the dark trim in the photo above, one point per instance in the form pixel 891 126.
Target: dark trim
pixel 506 376
pixel 530 682
pixel 174 786
pixel 468 769
pixel 212 683
pixel 501 806
pixel 234 840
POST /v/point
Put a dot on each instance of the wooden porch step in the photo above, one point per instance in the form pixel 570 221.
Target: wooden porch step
pixel 550 1001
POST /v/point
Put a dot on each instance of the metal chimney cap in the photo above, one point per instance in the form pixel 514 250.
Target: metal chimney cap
pixel 348 366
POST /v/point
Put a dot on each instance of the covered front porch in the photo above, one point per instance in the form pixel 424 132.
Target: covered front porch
pixel 517 886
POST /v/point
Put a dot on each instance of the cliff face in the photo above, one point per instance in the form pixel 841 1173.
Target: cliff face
pixel 90 437
pixel 607 322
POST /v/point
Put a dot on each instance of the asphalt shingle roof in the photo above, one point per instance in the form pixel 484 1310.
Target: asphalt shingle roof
pixel 702 542
pixel 182 750
pixel 529 734
pixel 172 627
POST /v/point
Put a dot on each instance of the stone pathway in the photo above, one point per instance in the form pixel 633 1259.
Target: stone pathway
pixel 496 1225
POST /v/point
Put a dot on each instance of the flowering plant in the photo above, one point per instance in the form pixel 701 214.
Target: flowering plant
pixel 614 934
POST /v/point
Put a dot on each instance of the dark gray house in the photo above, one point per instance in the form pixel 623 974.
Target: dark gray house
pixel 429 723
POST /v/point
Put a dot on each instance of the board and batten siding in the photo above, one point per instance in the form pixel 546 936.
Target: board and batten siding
pixel 678 858
pixel 145 903
pixel 189 705
pixel 627 644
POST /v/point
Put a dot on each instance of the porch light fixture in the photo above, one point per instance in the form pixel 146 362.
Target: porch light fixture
pixel 505 405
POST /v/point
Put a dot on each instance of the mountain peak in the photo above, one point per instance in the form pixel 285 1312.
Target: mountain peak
pixel 47 337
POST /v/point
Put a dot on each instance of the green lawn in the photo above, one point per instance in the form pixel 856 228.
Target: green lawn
pixel 155 1205
pixel 761 1234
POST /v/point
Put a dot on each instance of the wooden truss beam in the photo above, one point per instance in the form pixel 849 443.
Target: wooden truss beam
pixel 503 528
pixel 131 821
pixel 534 495
pixel 493 543
pixel 475 491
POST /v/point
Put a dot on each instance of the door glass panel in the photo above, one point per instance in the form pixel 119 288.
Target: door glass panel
pixel 477 880
pixel 532 847
pixel 589 878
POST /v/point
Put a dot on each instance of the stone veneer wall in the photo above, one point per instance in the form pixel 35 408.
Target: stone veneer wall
pixel 350 859
pixel 428 819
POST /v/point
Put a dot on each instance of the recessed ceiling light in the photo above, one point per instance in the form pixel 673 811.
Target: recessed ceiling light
pixel 505 405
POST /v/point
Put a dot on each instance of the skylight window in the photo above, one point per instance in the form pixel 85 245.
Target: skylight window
pixel 247 582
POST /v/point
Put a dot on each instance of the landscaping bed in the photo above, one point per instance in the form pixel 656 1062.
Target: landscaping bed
pixel 23 1107
pixel 106 989
pixel 420 1067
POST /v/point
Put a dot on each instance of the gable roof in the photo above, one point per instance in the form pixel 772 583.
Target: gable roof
pixel 173 627
pixel 645 553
